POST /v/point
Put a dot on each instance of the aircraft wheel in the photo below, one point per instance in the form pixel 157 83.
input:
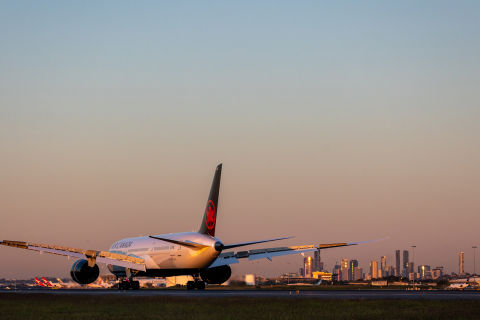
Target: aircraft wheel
pixel 190 285
pixel 200 285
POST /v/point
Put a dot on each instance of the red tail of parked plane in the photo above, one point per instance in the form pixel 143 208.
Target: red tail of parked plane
pixel 39 283
pixel 46 282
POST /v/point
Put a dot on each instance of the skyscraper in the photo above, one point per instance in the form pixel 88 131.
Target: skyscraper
pixel 388 271
pixel 307 262
pixel 357 273
pixel 411 267
pixel 383 264
pixel 461 263
pixel 405 263
pixel 336 272
pixel 424 271
pixel 353 265
pixel 317 262
pixel 374 269
pixel 397 263
pixel 344 270
pixel 437 272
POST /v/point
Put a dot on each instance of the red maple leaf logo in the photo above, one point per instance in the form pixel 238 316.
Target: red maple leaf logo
pixel 210 221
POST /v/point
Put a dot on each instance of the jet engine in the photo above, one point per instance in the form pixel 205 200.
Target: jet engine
pixel 217 275
pixel 82 273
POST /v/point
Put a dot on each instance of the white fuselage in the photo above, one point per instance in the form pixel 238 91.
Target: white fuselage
pixel 162 255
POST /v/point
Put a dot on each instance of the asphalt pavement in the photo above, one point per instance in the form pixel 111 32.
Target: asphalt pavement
pixel 315 294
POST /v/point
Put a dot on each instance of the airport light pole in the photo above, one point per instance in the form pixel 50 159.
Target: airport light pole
pixel 474 250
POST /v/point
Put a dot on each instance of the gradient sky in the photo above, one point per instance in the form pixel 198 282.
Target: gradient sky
pixel 335 121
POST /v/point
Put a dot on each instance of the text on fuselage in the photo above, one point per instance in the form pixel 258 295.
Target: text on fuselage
pixel 124 244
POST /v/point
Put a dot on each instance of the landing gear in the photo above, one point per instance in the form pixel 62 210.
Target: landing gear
pixel 135 285
pixel 126 284
pixel 200 285
pixel 123 285
pixel 197 284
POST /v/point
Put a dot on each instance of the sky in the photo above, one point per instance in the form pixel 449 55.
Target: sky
pixel 334 120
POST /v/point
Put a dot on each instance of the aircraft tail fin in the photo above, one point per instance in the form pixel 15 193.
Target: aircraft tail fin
pixel 46 282
pixel 39 283
pixel 209 220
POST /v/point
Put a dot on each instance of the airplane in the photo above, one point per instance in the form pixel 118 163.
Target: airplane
pixel 43 282
pixel 198 254
pixel 457 286
pixel 54 285
pixel 65 285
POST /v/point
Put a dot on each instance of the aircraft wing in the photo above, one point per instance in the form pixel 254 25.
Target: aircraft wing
pixel 91 255
pixel 227 258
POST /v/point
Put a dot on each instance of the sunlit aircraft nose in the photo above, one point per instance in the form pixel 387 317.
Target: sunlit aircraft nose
pixel 218 246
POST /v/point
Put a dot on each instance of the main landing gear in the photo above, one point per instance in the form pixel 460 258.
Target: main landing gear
pixel 126 284
pixel 197 284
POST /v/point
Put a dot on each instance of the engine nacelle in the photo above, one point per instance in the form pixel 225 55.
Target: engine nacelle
pixel 217 275
pixel 82 273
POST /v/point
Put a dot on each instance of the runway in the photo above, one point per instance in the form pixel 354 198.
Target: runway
pixel 287 294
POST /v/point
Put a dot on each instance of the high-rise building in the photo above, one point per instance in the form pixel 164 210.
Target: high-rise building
pixel 374 269
pixel 301 272
pixel 437 272
pixel 336 272
pixel 412 276
pixel 461 263
pixel 383 264
pixel 317 262
pixel 388 271
pixel 411 267
pixel 352 266
pixel 357 273
pixel 307 266
pixel 397 263
pixel 405 263
pixel 344 270
pixel 424 271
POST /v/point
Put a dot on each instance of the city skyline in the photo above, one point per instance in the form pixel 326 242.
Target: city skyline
pixel 335 121
pixel 348 269
pixel 383 263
